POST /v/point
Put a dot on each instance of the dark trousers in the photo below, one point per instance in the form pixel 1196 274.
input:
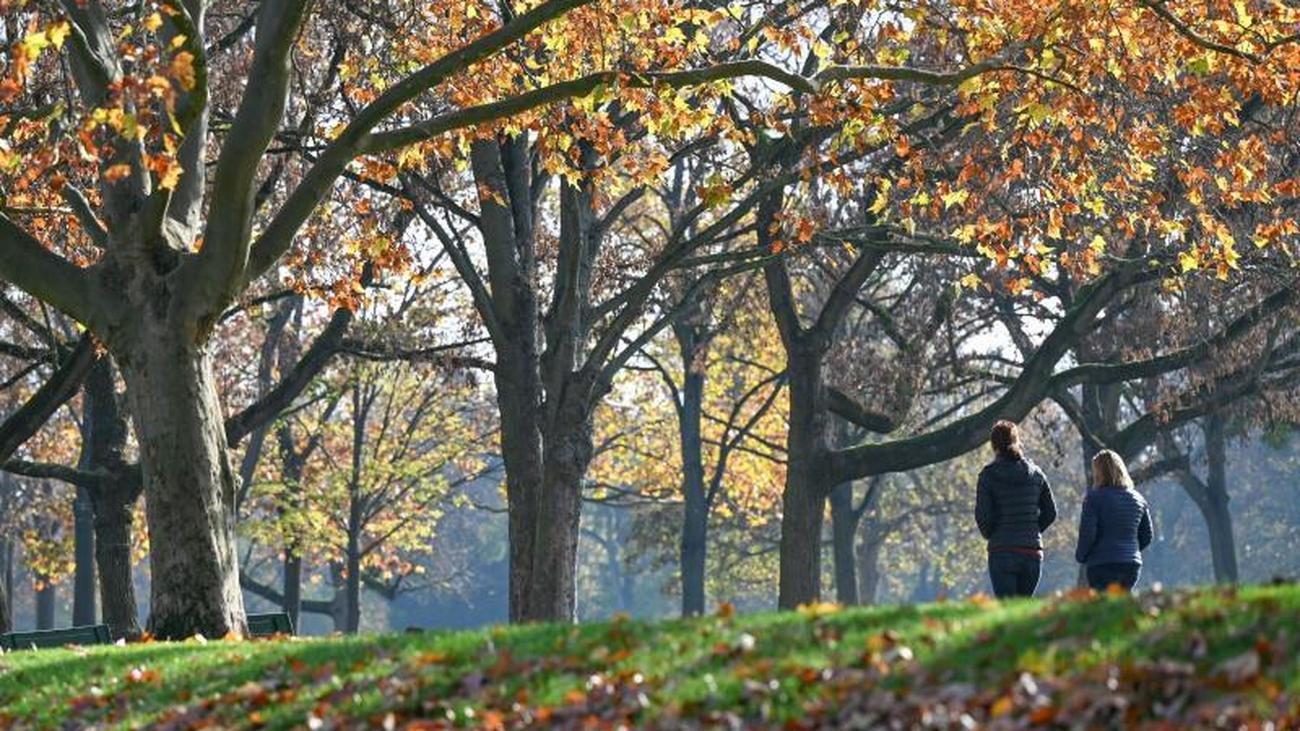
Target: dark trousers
pixel 1014 574
pixel 1102 576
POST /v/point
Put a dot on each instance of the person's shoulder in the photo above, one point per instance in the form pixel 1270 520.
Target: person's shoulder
pixel 1034 470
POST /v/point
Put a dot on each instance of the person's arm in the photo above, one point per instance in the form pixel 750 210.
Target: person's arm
pixel 1087 530
pixel 986 514
pixel 1146 529
pixel 1046 505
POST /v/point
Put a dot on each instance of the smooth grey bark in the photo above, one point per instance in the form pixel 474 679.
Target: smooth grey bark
pixel 83 577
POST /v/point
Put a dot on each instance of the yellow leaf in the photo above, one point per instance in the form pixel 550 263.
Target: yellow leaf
pixel 956 197
pixel 58 33
pixel 1188 261
pixel 882 196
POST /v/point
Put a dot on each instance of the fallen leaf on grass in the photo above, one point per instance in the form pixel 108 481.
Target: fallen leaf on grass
pixel 1240 669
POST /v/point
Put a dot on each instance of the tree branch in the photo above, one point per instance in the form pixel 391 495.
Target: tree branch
pixel 319 179
pixel 62 386
pixel 48 276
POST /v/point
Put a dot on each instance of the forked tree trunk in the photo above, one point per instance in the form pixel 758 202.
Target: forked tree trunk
pixel 189 486
pixel 114 506
pixel 545 410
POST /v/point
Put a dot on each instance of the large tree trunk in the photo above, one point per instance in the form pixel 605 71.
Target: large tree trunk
pixel 45 599
pixel 695 521
pixel 548 579
pixel 189 486
pixel 114 506
pixel 83 579
pixel 844 528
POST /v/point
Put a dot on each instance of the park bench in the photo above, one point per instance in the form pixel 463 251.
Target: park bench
pixel 93 634
pixel 266 625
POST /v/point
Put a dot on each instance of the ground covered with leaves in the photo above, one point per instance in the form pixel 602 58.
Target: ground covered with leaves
pixel 1215 658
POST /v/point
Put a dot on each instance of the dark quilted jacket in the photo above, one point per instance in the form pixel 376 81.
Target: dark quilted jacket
pixel 1115 527
pixel 1013 504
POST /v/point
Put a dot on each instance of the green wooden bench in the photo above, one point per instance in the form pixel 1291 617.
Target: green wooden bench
pixel 93 634
pixel 266 625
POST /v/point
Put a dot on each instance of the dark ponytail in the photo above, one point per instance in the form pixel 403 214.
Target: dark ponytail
pixel 1006 440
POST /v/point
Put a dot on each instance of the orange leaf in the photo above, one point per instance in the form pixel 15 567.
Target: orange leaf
pixel 116 172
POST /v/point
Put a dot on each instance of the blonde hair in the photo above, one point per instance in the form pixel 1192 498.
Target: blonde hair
pixel 1108 470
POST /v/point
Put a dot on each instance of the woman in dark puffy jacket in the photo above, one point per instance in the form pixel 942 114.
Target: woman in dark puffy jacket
pixel 1013 506
pixel 1115 526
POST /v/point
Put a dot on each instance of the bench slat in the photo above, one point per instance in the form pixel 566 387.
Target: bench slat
pixel 265 625
pixel 96 634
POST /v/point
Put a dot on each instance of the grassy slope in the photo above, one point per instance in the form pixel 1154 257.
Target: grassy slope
pixel 1193 658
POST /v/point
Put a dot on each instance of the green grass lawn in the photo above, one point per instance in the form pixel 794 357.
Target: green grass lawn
pixel 1167 660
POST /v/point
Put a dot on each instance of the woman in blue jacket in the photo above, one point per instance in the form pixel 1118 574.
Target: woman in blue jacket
pixel 1115 526
pixel 1013 506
